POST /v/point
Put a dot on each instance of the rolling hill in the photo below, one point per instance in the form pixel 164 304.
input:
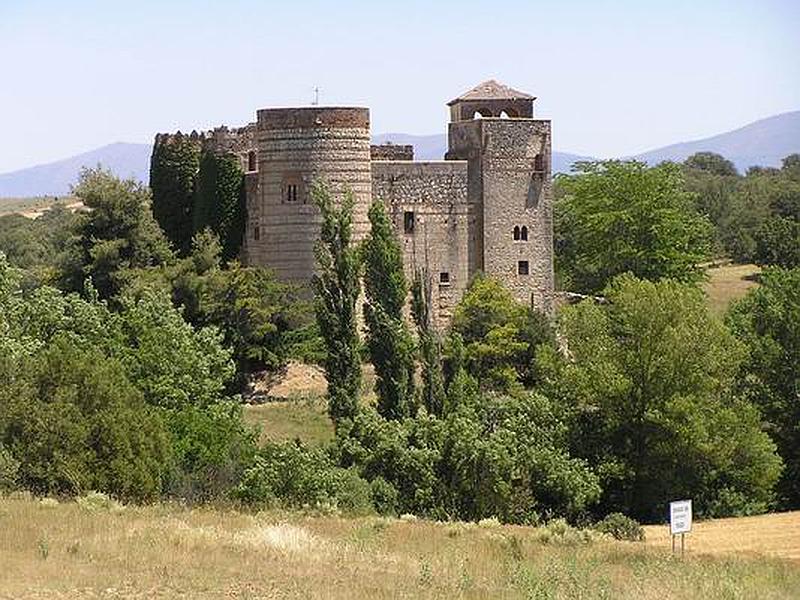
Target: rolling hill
pixel 764 142
pixel 55 179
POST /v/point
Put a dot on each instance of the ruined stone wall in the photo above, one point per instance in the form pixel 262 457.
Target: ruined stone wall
pixel 297 147
pixel 236 140
pixel 435 193
pixel 390 151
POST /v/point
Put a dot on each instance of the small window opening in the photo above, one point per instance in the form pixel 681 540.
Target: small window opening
pixel 538 163
pixel 516 233
pixel 444 278
pixel 251 161
pixel 408 221
pixel 256 233
pixel 291 192
pixel 524 233
pixel 522 267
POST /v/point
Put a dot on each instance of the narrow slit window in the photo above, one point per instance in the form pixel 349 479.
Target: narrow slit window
pixel 523 235
pixel 408 221
pixel 522 267
pixel 538 163
pixel 256 233
pixel 251 161
pixel 516 233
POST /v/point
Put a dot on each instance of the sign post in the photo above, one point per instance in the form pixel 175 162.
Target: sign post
pixel 680 520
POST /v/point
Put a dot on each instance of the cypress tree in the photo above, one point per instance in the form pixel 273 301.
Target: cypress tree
pixel 337 287
pixel 389 342
pixel 433 395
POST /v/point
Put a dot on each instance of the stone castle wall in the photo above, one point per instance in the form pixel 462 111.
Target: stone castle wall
pixel 296 148
pixel 391 152
pixel 432 198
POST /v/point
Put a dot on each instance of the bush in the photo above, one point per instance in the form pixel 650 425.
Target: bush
pixel 75 422
pixel 290 475
pixel 9 469
pixel 621 527
pixel 98 501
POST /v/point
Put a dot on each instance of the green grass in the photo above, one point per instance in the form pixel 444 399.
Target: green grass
pixel 303 418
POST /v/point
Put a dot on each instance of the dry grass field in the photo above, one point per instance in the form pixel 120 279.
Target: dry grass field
pixel 727 283
pixel 50 550
pixel 35 206
pixel 776 535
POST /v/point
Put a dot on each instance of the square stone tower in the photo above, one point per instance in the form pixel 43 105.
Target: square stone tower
pixel 508 153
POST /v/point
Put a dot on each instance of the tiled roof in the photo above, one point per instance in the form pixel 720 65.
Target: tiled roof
pixel 492 90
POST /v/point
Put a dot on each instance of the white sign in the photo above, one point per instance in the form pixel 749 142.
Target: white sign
pixel 680 516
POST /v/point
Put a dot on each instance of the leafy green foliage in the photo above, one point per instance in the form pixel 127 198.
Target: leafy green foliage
pixel 711 162
pixel 620 527
pixel 500 335
pixel 219 202
pixel 651 380
pixel 75 422
pixel 116 234
pixel 337 287
pixel 767 320
pixel 615 217
pixel 173 170
pixel 294 476
pixel 494 456
pixel 389 342
pixel 37 245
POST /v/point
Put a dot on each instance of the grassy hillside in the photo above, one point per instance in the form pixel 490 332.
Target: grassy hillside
pixel 65 551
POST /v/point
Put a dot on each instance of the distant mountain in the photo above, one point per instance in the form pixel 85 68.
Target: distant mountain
pixel 763 143
pixel 433 147
pixel 55 179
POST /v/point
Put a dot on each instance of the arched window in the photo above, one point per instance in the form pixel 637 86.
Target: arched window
pixel 482 113
pixel 503 114
pixel 251 161
pixel 516 233
pixel 524 233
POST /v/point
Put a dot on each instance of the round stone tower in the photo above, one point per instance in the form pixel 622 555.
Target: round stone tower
pixel 295 148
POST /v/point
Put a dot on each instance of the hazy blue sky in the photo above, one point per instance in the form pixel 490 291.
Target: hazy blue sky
pixel 615 77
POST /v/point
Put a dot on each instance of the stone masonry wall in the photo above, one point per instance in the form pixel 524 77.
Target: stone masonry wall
pixel 296 148
pixel 435 193
pixel 391 152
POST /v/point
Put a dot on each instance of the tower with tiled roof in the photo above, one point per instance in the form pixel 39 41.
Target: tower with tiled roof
pixel 508 154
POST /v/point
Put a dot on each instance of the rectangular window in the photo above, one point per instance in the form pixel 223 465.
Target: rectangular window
pixel 522 267
pixel 291 192
pixel 256 233
pixel 444 278
pixel 408 221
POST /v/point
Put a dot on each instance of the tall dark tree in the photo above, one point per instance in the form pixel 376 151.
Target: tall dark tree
pixel 389 342
pixel 219 200
pixel 337 287
pixel 173 171
pixel 430 348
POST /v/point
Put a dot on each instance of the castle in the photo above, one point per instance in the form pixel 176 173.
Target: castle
pixel 486 208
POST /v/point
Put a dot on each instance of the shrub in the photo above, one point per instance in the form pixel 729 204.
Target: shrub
pixel 98 501
pixel 290 475
pixel 621 527
pixel 9 468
